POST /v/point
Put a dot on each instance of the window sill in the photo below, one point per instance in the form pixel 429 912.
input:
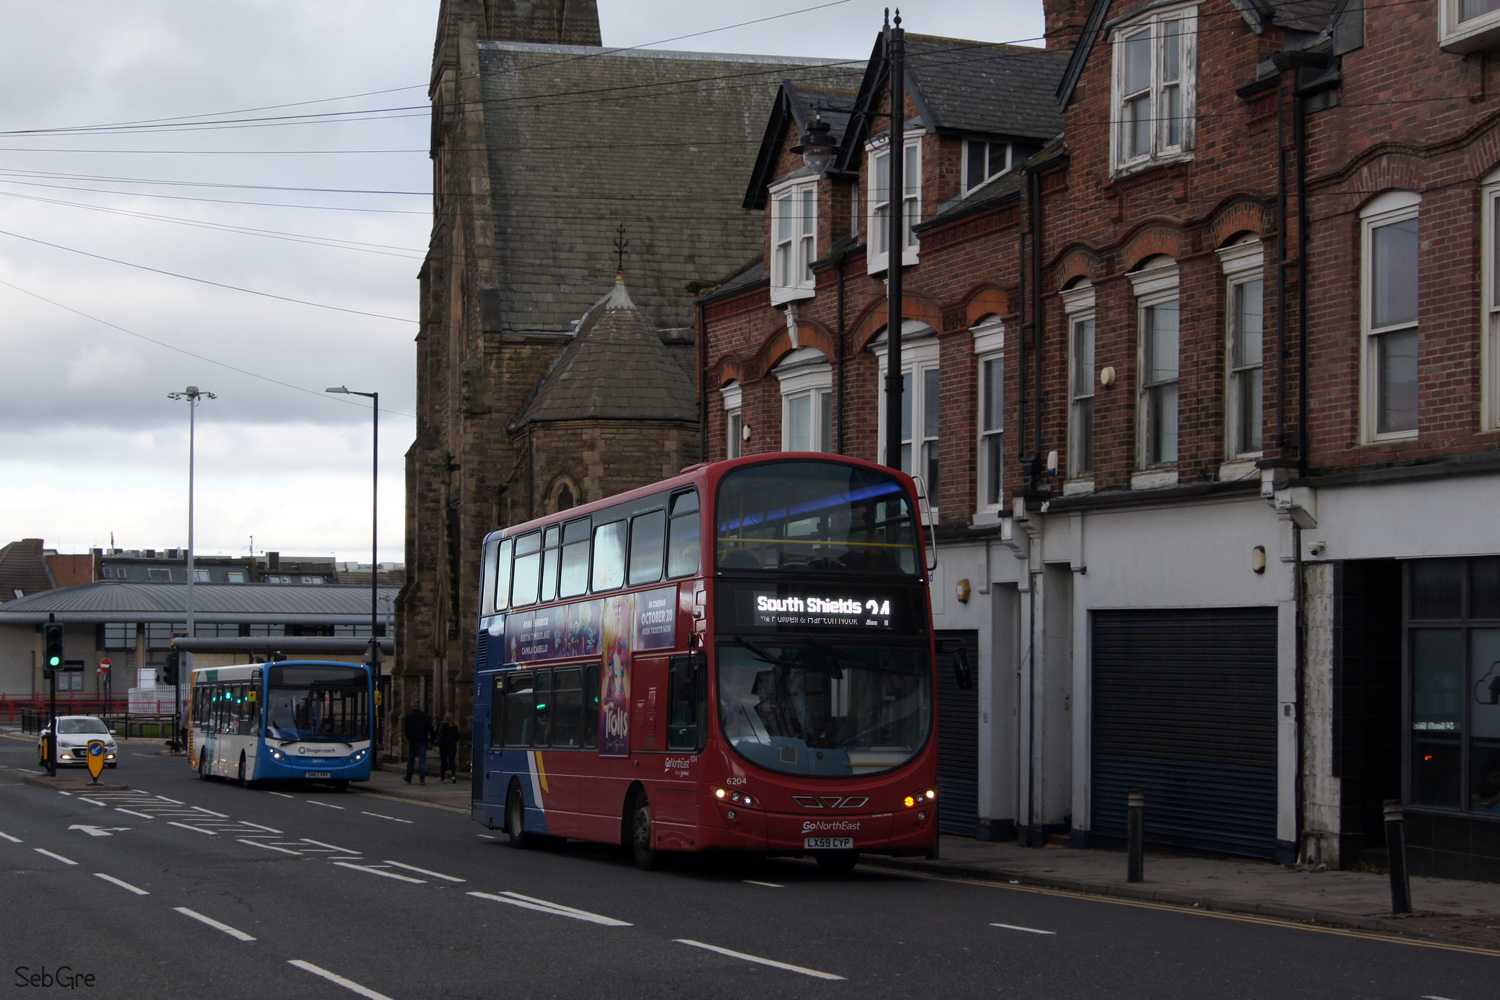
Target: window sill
pixel 1078 487
pixel 1154 479
pixel 985 517
pixel 790 294
pixel 1239 469
pixel 1483 33
pixel 1123 171
pixel 1392 438
pixel 878 265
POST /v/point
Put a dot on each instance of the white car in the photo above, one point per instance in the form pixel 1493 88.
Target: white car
pixel 73 735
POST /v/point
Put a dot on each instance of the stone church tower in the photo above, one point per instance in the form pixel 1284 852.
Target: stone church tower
pixel 541 147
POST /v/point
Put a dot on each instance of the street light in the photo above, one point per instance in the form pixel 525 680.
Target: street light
pixel 374 398
pixel 817 146
pixel 192 394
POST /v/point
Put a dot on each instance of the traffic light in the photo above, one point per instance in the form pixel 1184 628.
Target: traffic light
pixel 169 666
pixel 52 647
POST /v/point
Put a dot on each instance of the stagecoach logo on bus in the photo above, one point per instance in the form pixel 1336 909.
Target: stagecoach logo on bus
pixel 772 610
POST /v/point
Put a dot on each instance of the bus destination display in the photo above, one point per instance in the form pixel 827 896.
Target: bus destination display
pixel 772 610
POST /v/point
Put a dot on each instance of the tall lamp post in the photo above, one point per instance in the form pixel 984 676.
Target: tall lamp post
pixel 374 398
pixel 192 394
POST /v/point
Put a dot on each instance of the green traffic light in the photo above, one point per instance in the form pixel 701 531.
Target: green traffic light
pixel 55 661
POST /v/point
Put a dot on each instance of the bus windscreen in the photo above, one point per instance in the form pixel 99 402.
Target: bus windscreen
pixel 317 703
pixel 819 516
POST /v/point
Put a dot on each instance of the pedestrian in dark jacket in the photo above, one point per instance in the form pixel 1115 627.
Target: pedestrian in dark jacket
pixel 447 742
pixel 417 728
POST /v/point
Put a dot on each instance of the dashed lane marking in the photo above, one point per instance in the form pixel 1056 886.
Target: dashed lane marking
pixel 132 812
pixel 195 829
pixel 768 885
pixel 393 819
pixel 13 840
pixel 175 802
pixel 269 847
pixel 424 871
pixel 485 836
pixel 325 805
pixel 92 802
pixel 757 959
pixel 334 977
pixel 1028 930
pixel 233 932
pixel 268 829
pixel 61 792
pixel 59 857
pixel 121 883
pixel 332 847
pixel 210 812
pixel 377 871
pixel 284 795
pixel 543 906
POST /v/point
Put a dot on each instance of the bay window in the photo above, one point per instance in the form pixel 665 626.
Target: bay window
pixel 794 240
pixel 878 235
pixel 1154 106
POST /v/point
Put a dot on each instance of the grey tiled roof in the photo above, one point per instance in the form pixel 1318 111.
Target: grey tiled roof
pixel 615 368
pixel 659 141
pixel 115 601
pixel 969 86
pixel 22 568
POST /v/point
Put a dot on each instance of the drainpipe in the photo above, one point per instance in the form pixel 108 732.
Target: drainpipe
pixel 1021 324
pixel 1299 140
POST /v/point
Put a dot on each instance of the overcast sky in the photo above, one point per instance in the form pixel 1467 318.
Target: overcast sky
pixel 218 159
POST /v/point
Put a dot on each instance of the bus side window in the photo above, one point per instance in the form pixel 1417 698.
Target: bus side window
pixel 591 697
pixel 575 559
pixel 686 703
pixel 520 701
pixel 684 536
pixel 646 531
pixel 497 714
pixel 502 576
pixel 542 735
pixel 567 711
pixel 551 555
pixel 523 587
pixel 609 556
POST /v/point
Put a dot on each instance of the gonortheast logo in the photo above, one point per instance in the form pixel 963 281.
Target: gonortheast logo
pixel 818 825
pixel 679 762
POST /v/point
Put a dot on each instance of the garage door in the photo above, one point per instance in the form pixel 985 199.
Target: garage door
pixel 1184 707
pixel 958 739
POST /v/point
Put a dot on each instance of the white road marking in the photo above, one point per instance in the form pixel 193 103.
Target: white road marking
pixel 332 847
pixel 768 885
pixel 393 819
pixel 195 829
pixel 1028 930
pixel 28 770
pixel 132 812
pixel 269 847
pixel 43 850
pixel 99 831
pixel 13 840
pixel 757 960
pixel 175 802
pixel 61 792
pixel 424 871
pixel 377 871
pixel 325 805
pixel 485 836
pixel 121 883
pixel 233 932
pixel 556 909
pixel 333 977
pixel 284 795
pixel 352 857
pixel 268 829
pixel 210 812
pixel 92 802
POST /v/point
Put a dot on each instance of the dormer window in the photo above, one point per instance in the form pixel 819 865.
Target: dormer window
pixel 794 240
pixel 983 160
pixel 878 220
pixel 1155 69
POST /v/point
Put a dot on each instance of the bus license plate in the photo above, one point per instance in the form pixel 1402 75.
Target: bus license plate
pixel 828 843
pixel 318 774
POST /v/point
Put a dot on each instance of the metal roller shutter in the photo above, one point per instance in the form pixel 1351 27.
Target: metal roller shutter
pixel 1184 707
pixel 958 740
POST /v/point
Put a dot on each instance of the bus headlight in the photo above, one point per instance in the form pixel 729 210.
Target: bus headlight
pixel 360 755
pixel 276 755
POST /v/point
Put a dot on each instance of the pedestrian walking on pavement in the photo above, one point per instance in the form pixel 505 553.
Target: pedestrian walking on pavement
pixel 447 743
pixel 417 727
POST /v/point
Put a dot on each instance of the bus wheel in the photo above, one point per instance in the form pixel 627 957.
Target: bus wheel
pixel 646 857
pixel 241 778
pixel 203 764
pixel 837 862
pixel 515 822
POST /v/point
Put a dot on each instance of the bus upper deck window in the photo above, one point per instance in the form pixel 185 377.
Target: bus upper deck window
pixel 646 540
pixel 502 576
pixel 551 553
pixel 575 559
pixel 523 588
pixel 609 555
pixel 487 576
pixel 684 535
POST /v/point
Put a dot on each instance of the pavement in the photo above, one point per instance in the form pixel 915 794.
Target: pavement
pixel 1466 913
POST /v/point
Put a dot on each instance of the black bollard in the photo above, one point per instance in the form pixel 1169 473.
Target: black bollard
pixel 1136 834
pixel 1395 847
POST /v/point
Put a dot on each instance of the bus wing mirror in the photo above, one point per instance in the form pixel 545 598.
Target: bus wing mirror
pixel 963 674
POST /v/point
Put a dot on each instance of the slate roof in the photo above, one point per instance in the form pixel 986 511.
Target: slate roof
pixel 796 108
pixel 968 86
pixel 659 141
pixel 23 568
pixel 117 601
pixel 615 368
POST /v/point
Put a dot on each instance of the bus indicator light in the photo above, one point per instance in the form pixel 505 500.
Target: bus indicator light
pixel 909 801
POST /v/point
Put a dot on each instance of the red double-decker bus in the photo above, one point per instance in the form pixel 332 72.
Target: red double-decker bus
pixel 740 658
